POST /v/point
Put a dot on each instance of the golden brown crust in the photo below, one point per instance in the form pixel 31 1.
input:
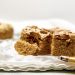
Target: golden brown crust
pixel 30 34
pixel 57 29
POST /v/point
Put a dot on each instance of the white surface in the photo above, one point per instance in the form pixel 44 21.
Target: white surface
pixel 37 9
pixel 11 60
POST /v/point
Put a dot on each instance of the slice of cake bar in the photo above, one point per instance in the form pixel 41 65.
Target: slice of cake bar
pixel 42 38
pixel 25 48
pixel 63 43
pixel 6 31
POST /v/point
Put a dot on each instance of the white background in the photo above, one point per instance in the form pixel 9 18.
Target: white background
pixel 37 9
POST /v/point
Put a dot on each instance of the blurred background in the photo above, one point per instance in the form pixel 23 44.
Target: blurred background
pixel 37 9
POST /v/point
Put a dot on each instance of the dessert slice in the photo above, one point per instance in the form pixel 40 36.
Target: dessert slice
pixel 42 38
pixel 63 43
pixel 25 48
pixel 6 31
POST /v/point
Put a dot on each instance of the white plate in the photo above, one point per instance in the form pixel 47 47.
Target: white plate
pixel 11 60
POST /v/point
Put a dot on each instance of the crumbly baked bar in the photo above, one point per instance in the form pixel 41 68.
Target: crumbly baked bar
pixel 6 31
pixel 42 37
pixel 63 43
pixel 25 48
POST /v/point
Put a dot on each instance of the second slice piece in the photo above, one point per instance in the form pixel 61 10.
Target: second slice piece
pixel 63 43
pixel 35 36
